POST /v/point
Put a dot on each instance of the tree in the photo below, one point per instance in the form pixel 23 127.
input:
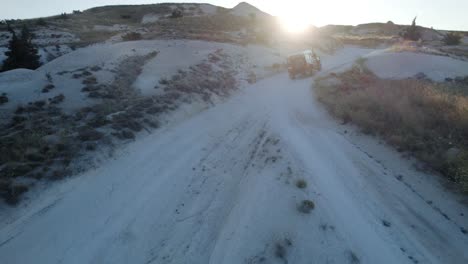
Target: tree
pixel 412 32
pixel 22 53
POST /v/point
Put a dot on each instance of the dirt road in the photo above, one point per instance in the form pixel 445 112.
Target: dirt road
pixel 221 188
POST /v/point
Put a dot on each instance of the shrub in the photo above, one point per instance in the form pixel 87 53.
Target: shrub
pixel 41 22
pixel 3 99
pixel 418 116
pixel 57 99
pixel 89 81
pixel 163 81
pixel 280 251
pixel 47 88
pixel 95 68
pixel 301 184
pixel 306 206
pixel 63 16
pixel 132 36
pixel 12 193
pixel 89 134
pixel 353 258
pixel 177 13
pixel 451 39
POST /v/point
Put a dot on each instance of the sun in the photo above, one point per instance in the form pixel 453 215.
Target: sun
pixel 294 23
pixel 296 17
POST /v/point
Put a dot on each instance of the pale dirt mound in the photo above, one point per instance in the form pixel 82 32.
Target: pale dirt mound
pixel 245 10
pixel 400 65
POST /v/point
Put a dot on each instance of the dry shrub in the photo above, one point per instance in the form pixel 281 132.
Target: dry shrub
pixel 132 36
pixel 418 116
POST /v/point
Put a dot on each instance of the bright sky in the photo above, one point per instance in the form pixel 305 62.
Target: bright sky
pixel 440 14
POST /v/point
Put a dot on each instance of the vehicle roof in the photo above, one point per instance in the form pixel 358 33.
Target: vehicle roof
pixel 301 53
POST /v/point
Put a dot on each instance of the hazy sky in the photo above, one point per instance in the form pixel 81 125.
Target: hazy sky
pixel 440 14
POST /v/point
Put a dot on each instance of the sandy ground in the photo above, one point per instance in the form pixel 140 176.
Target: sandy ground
pixel 399 65
pixel 220 188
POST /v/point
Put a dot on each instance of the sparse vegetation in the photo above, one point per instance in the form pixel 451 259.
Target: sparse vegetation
pixel 353 258
pixel 41 22
pixel 63 16
pixel 11 193
pixel 281 249
pixel 3 99
pixel 177 13
pixel 419 116
pixel 301 184
pixel 132 36
pixel 386 223
pixel 306 206
pixel 47 88
pixel 452 39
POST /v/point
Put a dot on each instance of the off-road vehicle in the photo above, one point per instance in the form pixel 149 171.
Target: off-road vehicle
pixel 305 63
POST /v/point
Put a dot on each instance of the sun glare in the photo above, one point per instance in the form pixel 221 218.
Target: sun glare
pixel 295 16
pixel 294 23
